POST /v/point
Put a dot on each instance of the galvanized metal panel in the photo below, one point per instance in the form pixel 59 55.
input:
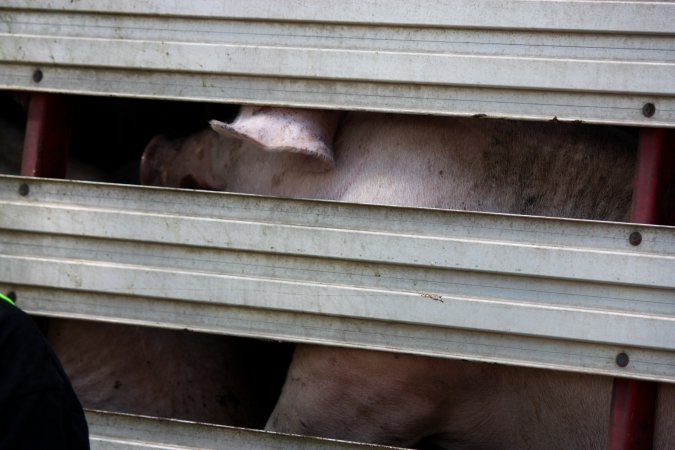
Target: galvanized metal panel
pixel 112 431
pixel 627 16
pixel 539 292
pixel 352 65
pixel 519 59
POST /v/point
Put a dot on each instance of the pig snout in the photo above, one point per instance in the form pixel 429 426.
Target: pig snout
pixel 156 161
pixel 196 162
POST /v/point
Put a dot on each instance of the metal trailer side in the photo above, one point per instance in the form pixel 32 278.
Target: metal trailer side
pixel 533 60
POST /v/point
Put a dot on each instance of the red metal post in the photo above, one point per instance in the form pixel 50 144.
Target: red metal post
pixel 634 401
pixel 45 148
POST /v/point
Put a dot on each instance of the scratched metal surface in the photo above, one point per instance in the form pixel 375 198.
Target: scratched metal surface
pixel 113 431
pixel 553 293
pixel 596 61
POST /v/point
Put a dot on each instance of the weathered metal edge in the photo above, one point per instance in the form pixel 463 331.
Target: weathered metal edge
pixel 113 431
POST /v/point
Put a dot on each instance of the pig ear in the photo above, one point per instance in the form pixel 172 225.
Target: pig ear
pixel 304 131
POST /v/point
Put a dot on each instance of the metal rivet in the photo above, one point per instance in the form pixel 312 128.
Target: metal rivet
pixel 24 189
pixel 622 359
pixel 37 75
pixel 12 296
pixel 635 238
pixel 648 110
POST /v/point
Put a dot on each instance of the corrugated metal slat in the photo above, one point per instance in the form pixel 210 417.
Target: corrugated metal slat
pixel 112 431
pixel 540 292
pixel 518 59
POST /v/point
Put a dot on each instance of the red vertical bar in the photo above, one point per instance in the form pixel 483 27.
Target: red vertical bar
pixel 632 415
pixel 45 148
pixel 648 179
pixel 634 401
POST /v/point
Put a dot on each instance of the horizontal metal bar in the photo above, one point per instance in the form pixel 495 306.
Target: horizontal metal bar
pixel 531 291
pixel 617 16
pixel 465 253
pixel 447 40
pixel 113 431
pixel 490 250
pixel 386 60
pixel 444 342
pixel 419 308
pixel 440 100
pixel 329 64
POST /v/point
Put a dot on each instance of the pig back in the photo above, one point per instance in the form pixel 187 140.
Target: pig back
pixel 550 169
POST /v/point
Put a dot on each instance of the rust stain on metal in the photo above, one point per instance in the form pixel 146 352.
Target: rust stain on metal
pixel 436 297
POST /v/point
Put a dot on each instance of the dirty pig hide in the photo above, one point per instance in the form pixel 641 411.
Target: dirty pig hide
pixel 549 169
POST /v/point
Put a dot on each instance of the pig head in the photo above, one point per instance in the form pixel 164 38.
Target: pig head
pixel 199 161
pixel 210 160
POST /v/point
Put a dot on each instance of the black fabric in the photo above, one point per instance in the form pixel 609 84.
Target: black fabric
pixel 38 407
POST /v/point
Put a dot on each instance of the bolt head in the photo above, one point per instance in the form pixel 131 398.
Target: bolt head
pixel 648 110
pixel 622 359
pixel 24 189
pixel 635 238
pixel 37 75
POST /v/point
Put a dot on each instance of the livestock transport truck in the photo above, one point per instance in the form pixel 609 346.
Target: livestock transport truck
pixel 124 254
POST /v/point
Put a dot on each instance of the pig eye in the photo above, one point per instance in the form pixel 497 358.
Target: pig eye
pixel 189 182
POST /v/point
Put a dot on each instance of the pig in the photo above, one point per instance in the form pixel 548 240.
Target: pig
pixel 547 169
pixel 162 373
pixel 154 372
pixel 424 161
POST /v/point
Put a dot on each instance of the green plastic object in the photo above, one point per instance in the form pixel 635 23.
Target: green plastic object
pixel 9 300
